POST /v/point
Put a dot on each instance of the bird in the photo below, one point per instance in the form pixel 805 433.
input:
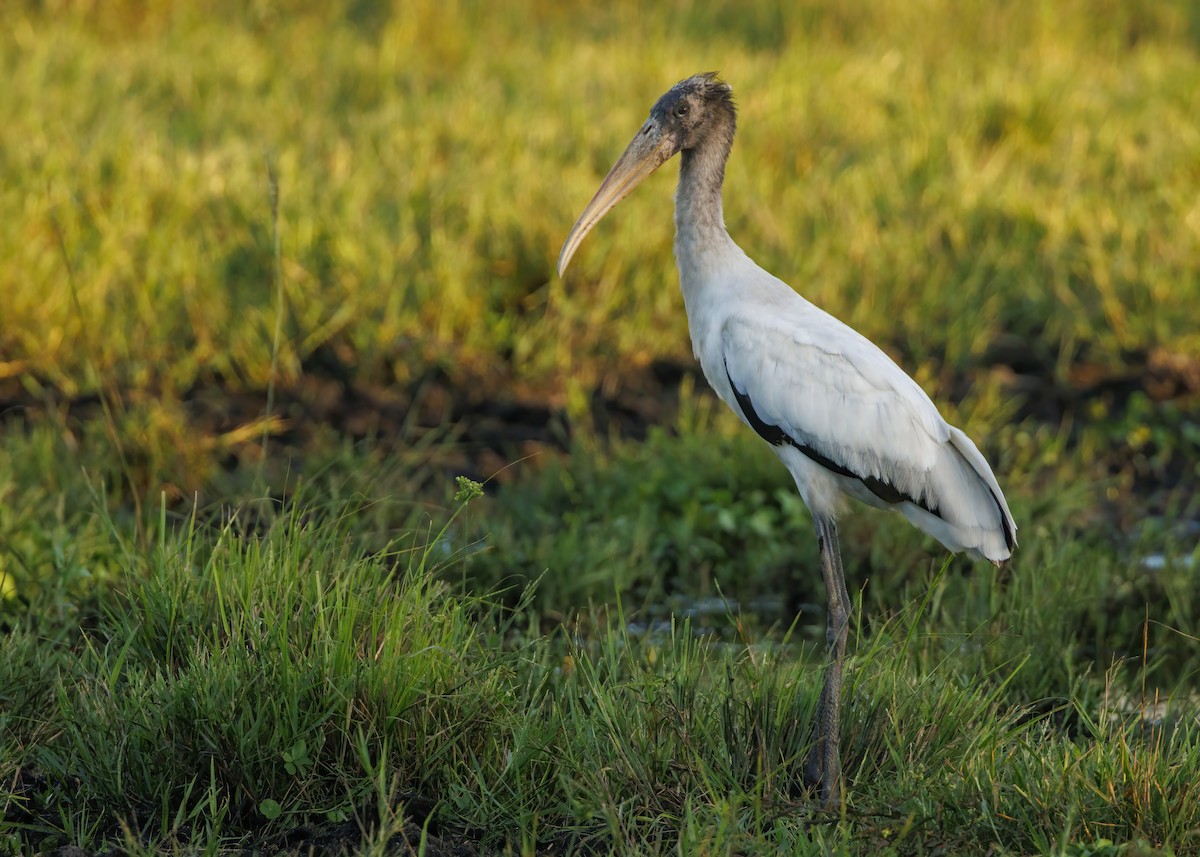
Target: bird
pixel 846 421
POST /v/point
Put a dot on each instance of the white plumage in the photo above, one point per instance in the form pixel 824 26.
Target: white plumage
pixel 833 390
pixel 845 420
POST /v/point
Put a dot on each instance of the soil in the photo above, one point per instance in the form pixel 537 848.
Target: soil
pixel 490 419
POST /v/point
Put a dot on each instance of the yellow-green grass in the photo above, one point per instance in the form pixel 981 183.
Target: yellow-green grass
pixel 941 175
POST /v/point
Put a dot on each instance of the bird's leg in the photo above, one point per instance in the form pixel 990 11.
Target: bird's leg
pixel 823 767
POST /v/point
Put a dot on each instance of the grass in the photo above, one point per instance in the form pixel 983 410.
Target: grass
pixel 940 177
pixel 230 678
pixel 257 259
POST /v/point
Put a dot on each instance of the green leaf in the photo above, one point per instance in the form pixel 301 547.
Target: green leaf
pixel 270 809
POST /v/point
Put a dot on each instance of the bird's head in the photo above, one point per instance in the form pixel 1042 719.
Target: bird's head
pixel 691 110
pixel 688 114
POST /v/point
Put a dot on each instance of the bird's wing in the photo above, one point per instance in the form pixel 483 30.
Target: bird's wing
pixel 804 379
pixel 833 394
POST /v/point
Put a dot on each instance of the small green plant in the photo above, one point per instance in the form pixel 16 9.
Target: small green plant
pixel 296 760
pixel 468 490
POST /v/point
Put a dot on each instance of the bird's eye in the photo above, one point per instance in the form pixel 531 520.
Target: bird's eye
pixel 682 109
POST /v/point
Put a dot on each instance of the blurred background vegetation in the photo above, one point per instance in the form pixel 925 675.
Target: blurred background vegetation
pixel 261 257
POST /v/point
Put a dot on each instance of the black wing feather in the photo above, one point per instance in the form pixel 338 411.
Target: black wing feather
pixel 776 436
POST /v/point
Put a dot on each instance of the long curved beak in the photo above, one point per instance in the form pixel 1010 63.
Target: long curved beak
pixel 645 154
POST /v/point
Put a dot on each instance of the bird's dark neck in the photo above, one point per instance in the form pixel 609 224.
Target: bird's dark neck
pixel 699 220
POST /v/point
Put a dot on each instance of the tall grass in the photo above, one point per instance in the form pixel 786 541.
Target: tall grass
pixel 234 679
pixel 236 686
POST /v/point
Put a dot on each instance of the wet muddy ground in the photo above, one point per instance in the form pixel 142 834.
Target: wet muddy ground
pixel 490 419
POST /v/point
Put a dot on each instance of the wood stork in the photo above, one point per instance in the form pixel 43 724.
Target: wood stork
pixel 845 420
